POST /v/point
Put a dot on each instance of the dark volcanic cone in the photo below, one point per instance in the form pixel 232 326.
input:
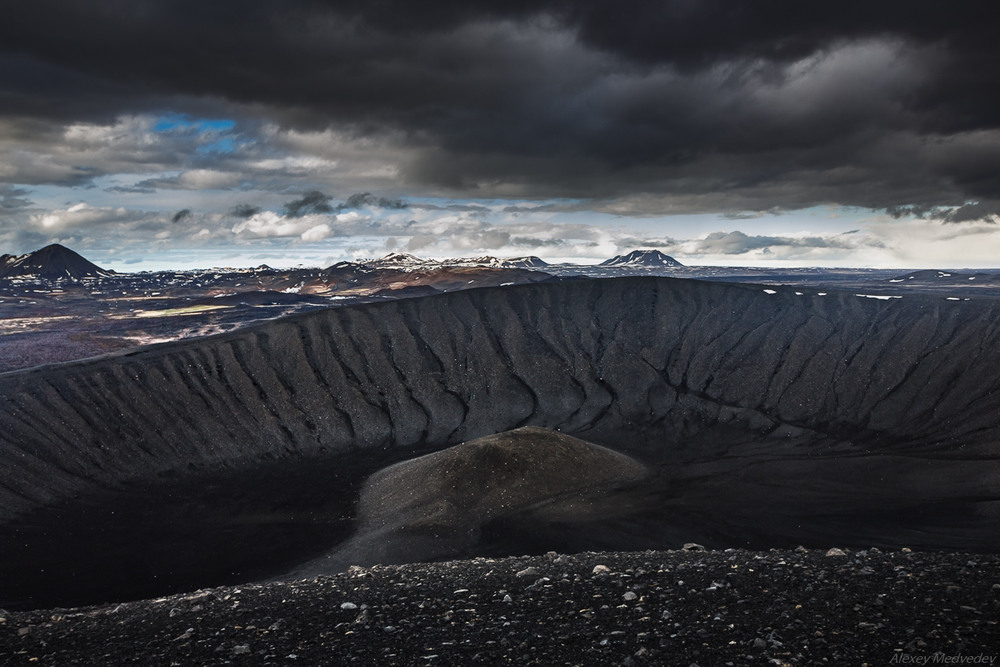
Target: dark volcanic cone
pixel 653 258
pixel 435 506
pixel 51 262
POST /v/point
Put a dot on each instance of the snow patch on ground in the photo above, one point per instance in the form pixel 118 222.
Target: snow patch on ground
pixel 880 297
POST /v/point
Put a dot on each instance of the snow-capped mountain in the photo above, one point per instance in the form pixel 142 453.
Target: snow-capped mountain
pixel 400 260
pixel 485 260
pixel 530 262
pixel 407 262
pixel 640 258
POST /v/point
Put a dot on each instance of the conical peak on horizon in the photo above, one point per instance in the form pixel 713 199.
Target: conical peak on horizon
pixel 651 257
pixel 52 262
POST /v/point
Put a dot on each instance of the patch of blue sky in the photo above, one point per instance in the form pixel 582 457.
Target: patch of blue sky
pixel 215 136
pixel 172 122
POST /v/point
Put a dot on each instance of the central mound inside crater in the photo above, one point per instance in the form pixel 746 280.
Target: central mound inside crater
pixel 438 505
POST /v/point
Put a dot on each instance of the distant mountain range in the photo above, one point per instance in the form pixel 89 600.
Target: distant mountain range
pixel 407 262
pixel 55 262
pixel 52 263
pixel 651 258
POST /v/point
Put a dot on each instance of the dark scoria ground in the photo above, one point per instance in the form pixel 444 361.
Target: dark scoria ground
pixel 731 607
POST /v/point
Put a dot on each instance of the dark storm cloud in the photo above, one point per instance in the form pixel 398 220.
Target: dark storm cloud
pixel 975 211
pixel 13 199
pixel 980 210
pixel 180 215
pixel 244 211
pixel 313 201
pixel 368 200
pixel 720 105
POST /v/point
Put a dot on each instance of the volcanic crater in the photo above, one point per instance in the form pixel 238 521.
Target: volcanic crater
pixel 627 413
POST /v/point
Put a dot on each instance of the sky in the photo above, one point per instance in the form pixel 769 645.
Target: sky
pixel 157 134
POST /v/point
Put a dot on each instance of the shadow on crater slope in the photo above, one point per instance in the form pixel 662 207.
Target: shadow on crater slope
pixel 767 418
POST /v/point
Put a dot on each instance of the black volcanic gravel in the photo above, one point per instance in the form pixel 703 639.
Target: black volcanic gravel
pixel 729 607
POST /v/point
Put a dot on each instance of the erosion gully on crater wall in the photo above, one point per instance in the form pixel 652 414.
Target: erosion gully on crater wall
pixel 767 419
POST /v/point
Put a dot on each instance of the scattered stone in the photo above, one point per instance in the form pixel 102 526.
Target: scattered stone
pixel 836 552
pixel 768 606
pixel 528 572
pixel 200 596
pixel 692 546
